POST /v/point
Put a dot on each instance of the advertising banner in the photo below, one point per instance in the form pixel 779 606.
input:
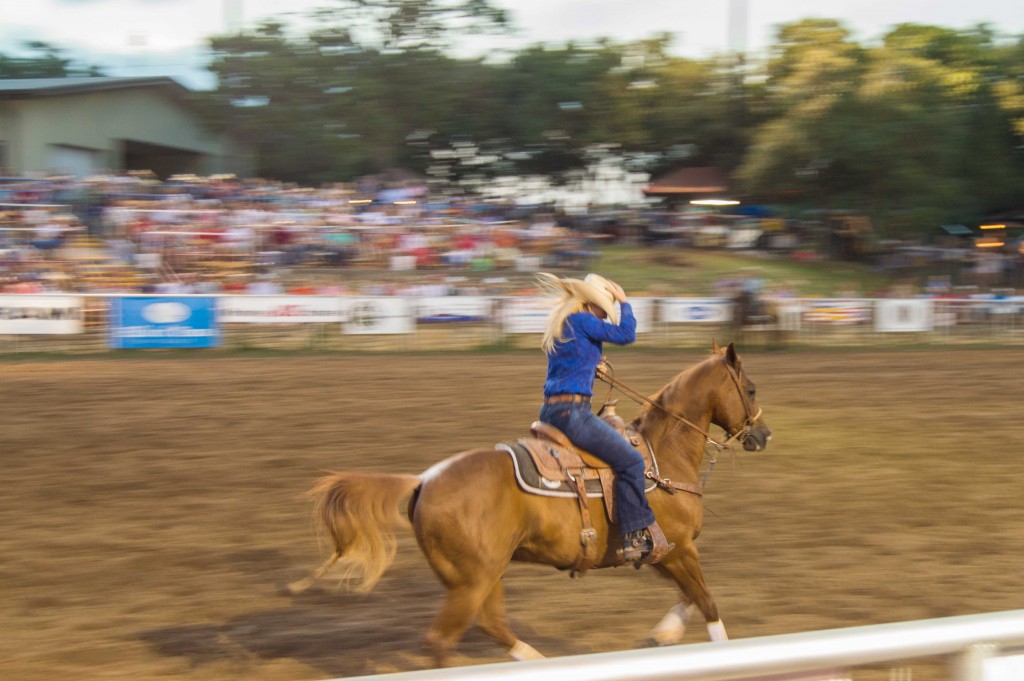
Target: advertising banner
pixel 525 315
pixel 437 309
pixel 280 309
pixel 913 315
pixel 696 310
pixel 378 316
pixel 42 315
pixel 164 322
pixel 1002 668
pixel 643 310
pixel 837 311
pixel 530 315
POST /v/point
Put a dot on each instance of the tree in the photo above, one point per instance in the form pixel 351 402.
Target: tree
pixel 44 61
pixel 813 73
pixel 924 128
pixel 1008 90
pixel 407 25
pixel 911 131
pixel 344 100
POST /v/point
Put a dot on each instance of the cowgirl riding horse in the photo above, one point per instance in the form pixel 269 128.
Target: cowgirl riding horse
pixel 583 318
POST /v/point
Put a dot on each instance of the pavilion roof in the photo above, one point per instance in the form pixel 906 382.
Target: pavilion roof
pixel 700 180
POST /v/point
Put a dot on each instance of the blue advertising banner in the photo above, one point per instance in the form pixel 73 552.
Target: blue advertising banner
pixel 164 322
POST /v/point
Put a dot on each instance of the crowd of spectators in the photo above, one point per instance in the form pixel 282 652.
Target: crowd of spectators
pixel 187 234
pixel 134 233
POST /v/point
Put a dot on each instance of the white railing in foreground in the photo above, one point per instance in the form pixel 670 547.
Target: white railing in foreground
pixel 973 641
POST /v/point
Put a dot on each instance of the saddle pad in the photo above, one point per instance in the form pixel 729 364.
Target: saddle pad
pixel 530 480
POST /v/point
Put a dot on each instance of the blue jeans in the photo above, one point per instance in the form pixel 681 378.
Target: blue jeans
pixel 597 437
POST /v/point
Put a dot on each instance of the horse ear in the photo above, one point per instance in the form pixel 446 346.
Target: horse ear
pixel 714 346
pixel 731 356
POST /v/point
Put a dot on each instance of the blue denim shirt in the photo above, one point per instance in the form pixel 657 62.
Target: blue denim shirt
pixel 571 365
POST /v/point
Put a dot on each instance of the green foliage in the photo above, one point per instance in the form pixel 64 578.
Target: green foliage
pixel 929 124
pixel 924 128
pixel 44 61
pixel 921 126
pixel 359 95
pixel 362 92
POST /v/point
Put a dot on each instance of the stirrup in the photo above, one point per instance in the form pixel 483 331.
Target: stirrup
pixel 661 546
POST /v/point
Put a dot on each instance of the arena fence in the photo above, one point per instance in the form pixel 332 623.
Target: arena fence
pixel 90 323
pixel 985 647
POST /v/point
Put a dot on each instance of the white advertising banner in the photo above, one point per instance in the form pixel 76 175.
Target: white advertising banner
pixel 42 315
pixel 696 310
pixel 789 315
pixel 378 316
pixel 280 309
pixel 435 309
pixel 530 315
pixel 526 315
pixel 643 310
pixel 913 315
pixel 1003 668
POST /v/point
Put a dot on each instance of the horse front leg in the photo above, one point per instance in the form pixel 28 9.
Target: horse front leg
pixel 684 569
pixel 672 627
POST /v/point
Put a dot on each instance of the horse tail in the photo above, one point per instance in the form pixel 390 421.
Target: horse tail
pixel 359 513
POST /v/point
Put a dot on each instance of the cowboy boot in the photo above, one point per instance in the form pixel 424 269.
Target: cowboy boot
pixel 646 546
pixel 634 545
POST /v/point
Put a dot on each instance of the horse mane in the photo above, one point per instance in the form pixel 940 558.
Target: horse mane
pixel 683 377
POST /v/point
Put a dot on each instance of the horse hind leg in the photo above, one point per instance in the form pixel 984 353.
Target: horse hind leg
pixel 494 623
pixel 461 604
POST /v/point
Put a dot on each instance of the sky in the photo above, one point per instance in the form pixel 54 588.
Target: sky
pixel 167 37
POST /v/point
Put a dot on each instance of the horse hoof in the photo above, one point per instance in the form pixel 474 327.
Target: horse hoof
pixel 524 651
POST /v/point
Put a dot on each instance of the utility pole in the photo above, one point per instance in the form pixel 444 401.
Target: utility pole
pixel 233 20
pixel 738 12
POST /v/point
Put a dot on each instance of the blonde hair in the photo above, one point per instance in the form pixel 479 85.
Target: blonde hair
pixel 568 302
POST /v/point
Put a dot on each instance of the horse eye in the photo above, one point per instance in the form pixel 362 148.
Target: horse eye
pixel 752 391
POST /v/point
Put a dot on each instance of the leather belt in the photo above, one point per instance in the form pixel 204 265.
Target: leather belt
pixel 568 397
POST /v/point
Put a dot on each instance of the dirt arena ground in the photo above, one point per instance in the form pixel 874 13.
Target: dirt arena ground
pixel 152 508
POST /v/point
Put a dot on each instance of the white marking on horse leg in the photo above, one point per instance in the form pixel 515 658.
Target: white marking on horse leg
pixel 672 627
pixel 716 630
pixel 524 651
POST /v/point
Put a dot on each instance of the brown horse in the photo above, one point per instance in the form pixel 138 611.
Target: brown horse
pixel 471 519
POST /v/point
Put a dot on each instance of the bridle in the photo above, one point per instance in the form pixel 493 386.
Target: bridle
pixel 606 375
pixel 748 421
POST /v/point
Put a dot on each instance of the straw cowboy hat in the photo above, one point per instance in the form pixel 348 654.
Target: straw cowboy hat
pixel 593 289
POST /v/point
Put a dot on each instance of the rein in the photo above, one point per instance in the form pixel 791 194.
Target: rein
pixel 608 377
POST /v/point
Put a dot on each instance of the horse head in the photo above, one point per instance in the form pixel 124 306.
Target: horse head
pixel 736 410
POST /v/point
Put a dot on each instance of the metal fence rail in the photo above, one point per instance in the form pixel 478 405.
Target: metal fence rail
pixel 974 644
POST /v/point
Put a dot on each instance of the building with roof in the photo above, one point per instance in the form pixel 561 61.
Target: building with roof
pixel 688 184
pixel 86 126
